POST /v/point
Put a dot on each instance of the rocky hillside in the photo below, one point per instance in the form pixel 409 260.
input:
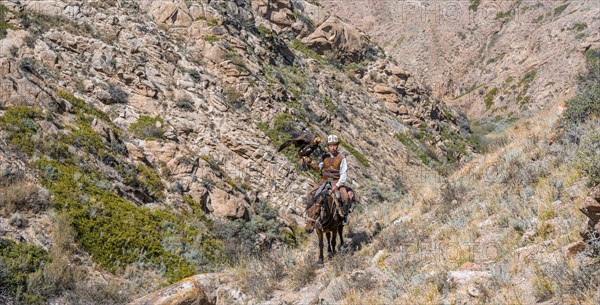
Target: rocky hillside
pixel 138 138
pixel 507 228
pixel 491 58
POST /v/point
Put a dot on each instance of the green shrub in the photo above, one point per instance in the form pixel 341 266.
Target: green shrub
pixel 359 156
pixel 558 10
pixel 116 232
pixel 585 104
pixel 241 236
pixel 489 97
pixel 410 143
pixel 18 261
pixel 117 94
pixel 20 126
pixel 146 179
pixel 329 105
pixel 579 26
pixel 4 25
pixel 81 106
pixel 212 39
pixel 542 289
pixel 474 5
pixel 195 75
pixel 146 127
pixel 265 32
pixel 185 104
pixel 588 157
pixel 304 49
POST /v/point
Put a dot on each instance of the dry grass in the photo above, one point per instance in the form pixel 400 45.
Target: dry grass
pixel 260 276
pixel 303 271
pixel 60 274
pixel 22 196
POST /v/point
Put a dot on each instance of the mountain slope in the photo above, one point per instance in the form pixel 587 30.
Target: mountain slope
pixel 147 132
pixel 490 58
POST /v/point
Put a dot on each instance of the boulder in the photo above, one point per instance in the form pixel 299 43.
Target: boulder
pixel 383 89
pixel 223 204
pixel 169 12
pixel 345 41
pixel 591 209
pixel 278 12
pixel 46 7
pixel 186 291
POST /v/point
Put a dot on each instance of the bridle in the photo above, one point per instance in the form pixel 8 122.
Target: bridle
pixel 322 205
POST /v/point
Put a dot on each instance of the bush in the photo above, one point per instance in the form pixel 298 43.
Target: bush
pixel 22 196
pixel 185 104
pixel 19 123
pixel 585 103
pixel 19 261
pixel 474 5
pixel 588 157
pixel 262 276
pixel 117 94
pixel 53 278
pixel 195 75
pixel 359 156
pixel 148 128
pixel 489 98
pixel 253 236
pixel 117 233
pixel 542 289
pixel 304 49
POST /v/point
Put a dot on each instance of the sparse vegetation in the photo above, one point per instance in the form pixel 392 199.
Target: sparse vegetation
pixel 578 27
pixel 474 4
pixel 212 39
pixel 4 25
pixel 22 196
pixel 148 128
pixel 300 46
pixel 358 155
pixel 560 9
pixel 185 104
pixel 19 122
pixel 18 261
pixel 489 97
pixel 117 94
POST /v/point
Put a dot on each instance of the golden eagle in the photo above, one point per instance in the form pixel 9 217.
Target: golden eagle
pixel 306 142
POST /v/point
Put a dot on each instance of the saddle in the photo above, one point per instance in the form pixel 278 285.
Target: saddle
pixel 325 189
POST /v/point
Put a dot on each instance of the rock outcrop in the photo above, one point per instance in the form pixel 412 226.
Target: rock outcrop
pixel 344 41
pixel 591 209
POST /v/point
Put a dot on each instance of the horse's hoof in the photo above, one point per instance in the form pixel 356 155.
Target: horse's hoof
pixel 320 263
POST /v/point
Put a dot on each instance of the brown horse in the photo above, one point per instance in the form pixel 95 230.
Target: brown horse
pixel 324 216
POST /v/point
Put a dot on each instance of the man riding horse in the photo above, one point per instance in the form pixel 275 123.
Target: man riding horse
pixel 333 166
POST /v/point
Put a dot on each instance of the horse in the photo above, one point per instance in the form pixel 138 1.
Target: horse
pixel 323 215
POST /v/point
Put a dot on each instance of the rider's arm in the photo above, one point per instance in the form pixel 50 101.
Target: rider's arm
pixel 343 173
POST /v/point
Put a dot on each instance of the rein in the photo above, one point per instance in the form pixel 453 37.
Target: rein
pixel 320 223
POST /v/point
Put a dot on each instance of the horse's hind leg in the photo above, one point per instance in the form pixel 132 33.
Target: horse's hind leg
pixel 320 235
pixel 339 231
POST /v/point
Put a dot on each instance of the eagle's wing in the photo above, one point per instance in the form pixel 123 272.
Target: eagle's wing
pixel 299 139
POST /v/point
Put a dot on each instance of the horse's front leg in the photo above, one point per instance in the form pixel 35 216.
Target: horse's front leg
pixel 339 231
pixel 320 235
pixel 333 238
pixel 329 247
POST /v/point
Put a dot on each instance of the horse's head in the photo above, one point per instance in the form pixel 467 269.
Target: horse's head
pixel 312 215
